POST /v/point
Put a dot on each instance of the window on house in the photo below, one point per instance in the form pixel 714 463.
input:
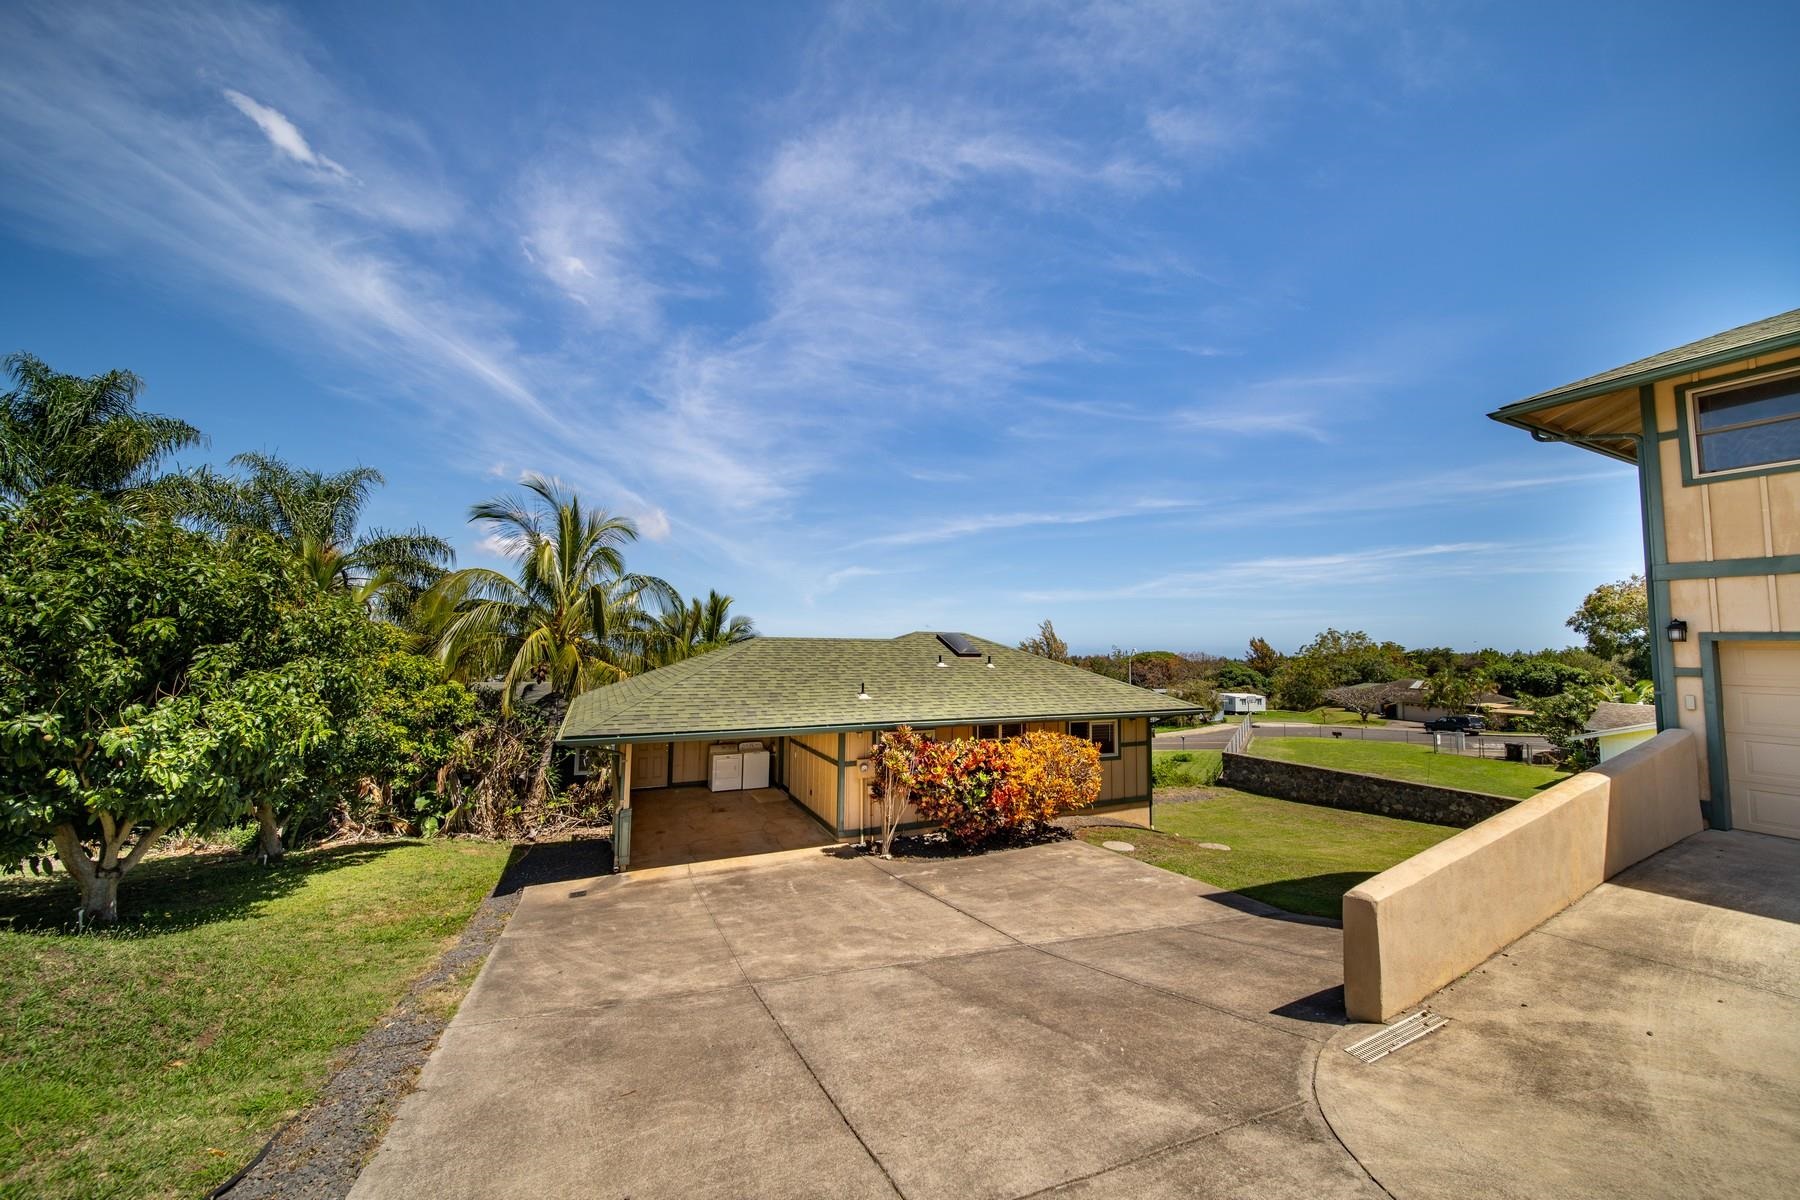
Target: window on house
pixel 1754 424
pixel 1009 729
pixel 1104 734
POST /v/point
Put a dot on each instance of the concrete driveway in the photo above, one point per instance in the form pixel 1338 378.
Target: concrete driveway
pixel 1049 1018
pixel 1643 1043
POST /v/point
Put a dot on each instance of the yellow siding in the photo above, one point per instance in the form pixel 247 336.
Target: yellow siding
pixel 1730 518
pixel 690 763
pixel 813 780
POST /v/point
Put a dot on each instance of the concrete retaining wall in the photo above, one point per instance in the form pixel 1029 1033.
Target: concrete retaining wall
pixel 1359 793
pixel 1419 925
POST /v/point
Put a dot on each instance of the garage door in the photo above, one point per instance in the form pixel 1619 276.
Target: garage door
pixel 1760 687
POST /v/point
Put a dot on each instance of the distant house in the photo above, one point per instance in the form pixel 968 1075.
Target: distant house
pixel 816 706
pixel 1713 428
pixel 1404 700
pixel 1616 728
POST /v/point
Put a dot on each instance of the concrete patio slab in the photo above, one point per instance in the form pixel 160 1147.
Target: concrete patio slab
pixel 835 916
pixel 605 943
pixel 693 1096
pixel 996 1075
pixel 1631 1046
pixel 1069 890
pixel 1300 993
pixel 678 825
pixel 1290 1155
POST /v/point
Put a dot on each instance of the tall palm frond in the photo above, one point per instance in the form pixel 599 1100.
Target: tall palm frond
pixel 572 616
pixel 83 432
pixel 317 515
pixel 685 630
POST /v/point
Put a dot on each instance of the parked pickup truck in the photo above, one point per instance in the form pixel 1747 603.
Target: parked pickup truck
pixel 1456 725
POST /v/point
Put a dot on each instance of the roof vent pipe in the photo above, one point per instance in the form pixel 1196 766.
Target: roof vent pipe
pixel 990 662
pixel 940 660
pixel 862 691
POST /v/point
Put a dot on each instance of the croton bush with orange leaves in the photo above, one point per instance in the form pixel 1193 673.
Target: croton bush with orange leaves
pixel 976 789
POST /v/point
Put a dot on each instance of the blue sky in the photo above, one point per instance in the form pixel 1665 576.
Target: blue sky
pixel 1174 322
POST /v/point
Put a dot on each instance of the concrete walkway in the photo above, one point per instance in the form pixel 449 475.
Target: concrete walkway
pixel 1644 1043
pixel 839 1027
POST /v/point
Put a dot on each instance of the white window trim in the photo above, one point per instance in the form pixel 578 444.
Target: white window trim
pixel 1700 392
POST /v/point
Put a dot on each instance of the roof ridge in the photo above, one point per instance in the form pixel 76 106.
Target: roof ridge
pixel 696 662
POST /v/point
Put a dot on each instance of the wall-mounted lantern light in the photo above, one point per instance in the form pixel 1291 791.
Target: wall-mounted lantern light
pixel 1677 630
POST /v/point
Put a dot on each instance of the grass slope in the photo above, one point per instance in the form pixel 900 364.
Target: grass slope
pixel 1185 768
pixel 1414 764
pixel 1314 716
pixel 155 1059
pixel 1298 857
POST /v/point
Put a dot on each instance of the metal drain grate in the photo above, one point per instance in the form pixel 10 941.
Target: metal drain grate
pixel 1403 1032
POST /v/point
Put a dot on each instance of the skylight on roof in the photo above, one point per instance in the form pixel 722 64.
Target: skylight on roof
pixel 959 645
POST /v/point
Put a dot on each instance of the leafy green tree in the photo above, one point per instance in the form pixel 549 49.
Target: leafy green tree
pixel 318 517
pixel 1262 657
pixel 1237 677
pixel 685 630
pixel 1046 644
pixel 85 433
pixel 1301 682
pixel 1453 689
pixel 1615 620
pixel 410 729
pixel 150 678
pixel 1562 719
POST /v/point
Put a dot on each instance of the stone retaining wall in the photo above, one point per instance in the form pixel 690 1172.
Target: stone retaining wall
pixel 1360 793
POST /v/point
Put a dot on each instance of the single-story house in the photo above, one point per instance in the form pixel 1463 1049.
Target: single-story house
pixel 1713 428
pixel 1404 700
pixel 1615 728
pixel 816 706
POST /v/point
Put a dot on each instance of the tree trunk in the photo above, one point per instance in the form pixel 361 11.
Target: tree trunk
pixel 98 882
pixel 268 833
pixel 541 787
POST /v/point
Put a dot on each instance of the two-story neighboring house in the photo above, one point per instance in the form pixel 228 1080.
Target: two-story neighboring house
pixel 1714 430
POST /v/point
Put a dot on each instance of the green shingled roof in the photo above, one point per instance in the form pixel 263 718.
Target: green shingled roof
pixel 772 685
pixel 1746 341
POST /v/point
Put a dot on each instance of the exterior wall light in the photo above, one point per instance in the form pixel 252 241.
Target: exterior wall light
pixel 1677 630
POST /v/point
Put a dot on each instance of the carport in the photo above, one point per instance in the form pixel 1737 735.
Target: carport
pixel 816 707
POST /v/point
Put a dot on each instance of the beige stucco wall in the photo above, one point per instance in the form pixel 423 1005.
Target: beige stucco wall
pixel 1419 925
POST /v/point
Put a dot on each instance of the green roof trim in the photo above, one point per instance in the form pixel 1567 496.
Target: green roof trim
pixel 776 685
pixel 1766 336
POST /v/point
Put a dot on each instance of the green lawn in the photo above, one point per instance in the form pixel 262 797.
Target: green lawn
pixel 1185 768
pixel 1298 857
pixel 1414 764
pixel 155 1059
pixel 1329 716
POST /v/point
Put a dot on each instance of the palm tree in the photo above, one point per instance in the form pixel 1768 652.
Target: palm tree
pixel 83 432
pixel 317 515
pixel 1620 692
pixel 573 618
pixel 684 631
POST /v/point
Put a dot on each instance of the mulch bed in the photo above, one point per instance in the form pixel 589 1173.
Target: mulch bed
pixel 319 1153
pixel 937 845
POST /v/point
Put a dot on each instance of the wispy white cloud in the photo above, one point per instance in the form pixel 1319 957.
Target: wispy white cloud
pixel 1281 575
pixel 282 133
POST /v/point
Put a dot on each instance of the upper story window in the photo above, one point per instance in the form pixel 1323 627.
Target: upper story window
pixel 1747 424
